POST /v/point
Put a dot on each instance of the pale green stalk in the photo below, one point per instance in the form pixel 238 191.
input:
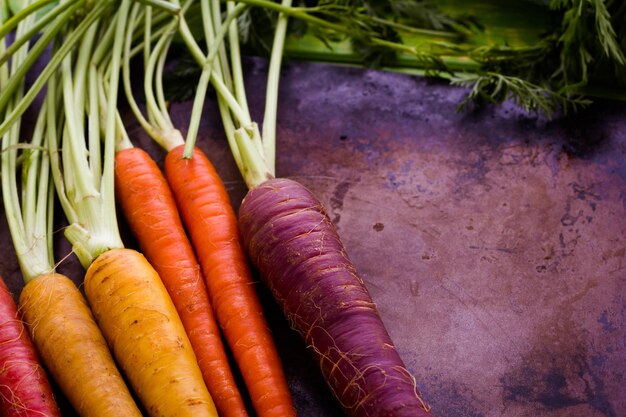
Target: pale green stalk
pixel 135 18
pixel 254 153
pixel 214 47
pixel 28 215
pixel 29 10
pixel 54 119
pixel 122 141
pixel 50 68
pixel 34 53
pixel 158 85
pixel 34 30
pixel 97 231
pixel 84 187
pixel 235 55
pixel 164 5
pixel 29 225
pixel 157 123
pixel 216 82
pixel 216 15
pixel 271 96
pixel 162 122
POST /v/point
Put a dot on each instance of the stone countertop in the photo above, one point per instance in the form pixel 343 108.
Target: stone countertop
pixel 492 241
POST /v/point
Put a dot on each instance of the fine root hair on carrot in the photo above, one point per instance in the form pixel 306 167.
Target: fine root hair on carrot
pixel 302 260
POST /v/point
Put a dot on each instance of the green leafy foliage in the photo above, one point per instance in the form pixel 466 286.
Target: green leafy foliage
pixel 579 46
pixel 496 88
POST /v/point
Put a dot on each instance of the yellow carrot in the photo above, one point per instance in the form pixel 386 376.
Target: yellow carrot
pixel 73 349
pixel 146 334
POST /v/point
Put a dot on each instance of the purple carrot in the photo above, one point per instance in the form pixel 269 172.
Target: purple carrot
pixel 300 257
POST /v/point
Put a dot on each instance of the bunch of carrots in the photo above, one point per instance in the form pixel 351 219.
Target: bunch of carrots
pixel 154 331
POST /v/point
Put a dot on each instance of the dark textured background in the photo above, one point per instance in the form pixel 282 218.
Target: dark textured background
pixel 492 241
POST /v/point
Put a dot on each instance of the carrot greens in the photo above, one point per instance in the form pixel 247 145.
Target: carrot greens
pixel 549 57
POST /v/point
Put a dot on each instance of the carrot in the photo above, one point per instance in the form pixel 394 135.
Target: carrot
pixel 61 326
pixel 74 350
pixel 135 312
pixel 126 295
pixel 301 259
pixel 151 213
pixel 206 211
pixel 24 386
pixel 205 208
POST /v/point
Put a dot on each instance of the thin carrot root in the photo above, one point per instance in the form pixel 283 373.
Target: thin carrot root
pixel 73 349
pixel 147 338
pixel 151 213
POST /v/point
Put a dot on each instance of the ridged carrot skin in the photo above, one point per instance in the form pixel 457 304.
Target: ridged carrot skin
pixel 25 390
pixel 139 320
pixel 73 348
pixel 150 210
pixel 300 257
pixel 210 220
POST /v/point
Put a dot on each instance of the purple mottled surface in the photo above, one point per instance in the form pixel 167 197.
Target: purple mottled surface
pixel 491 241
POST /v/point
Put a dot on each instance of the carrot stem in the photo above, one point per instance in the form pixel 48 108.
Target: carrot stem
pixel 50 68
pixel 30 9
pixel 271 96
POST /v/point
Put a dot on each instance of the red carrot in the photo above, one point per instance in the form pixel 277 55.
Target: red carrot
pixel 24 386
pixel 151 213
pixel 210 220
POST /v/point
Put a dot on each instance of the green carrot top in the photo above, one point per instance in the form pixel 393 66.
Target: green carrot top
pixel 27 193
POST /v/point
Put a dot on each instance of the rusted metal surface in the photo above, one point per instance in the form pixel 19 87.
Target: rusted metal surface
pixel 493 242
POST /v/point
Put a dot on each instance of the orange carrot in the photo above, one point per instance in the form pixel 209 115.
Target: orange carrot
pixel 210 220
pixel 151 213
pixel 205 207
